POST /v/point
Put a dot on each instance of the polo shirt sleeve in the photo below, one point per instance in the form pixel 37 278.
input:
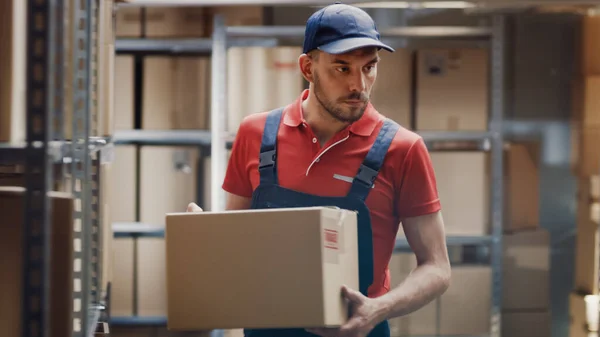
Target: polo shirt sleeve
pixel 237 178
pixel 417 195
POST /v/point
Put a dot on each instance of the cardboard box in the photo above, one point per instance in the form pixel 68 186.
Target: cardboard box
pixel 583 314
pixel 61 258
pixel 522 187
pixel 587 254
pixel 526 324
pixel 590 45
pixel 106 69
pixel 466 172
pixel 277 268
pixel 13 15
pixel 392 92
pixel 452 89
pixel 176 93
pixel 526 274
pixel 261 79
pixel 421 322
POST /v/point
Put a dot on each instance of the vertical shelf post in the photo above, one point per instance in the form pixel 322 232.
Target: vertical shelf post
pixel 82 49
pixel 42 44
pixel 497 174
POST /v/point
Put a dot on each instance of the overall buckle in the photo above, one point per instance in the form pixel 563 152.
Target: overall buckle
pixel 267 158
pixel 366 175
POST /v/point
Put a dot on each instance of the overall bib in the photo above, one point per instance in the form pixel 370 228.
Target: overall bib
pixel 270 195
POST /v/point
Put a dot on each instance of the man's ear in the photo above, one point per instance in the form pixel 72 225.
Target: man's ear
pixel 306 63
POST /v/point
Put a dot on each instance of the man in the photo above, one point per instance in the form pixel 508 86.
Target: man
pixel 331 147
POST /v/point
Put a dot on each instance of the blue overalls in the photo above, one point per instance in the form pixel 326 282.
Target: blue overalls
pixel 270 195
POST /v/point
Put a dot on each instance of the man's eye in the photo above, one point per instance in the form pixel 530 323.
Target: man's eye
pixel 342 69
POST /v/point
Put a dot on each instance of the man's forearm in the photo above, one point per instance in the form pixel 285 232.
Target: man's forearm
pixel 422 286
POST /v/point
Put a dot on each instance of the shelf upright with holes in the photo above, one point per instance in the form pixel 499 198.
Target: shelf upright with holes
pixel 491 140
pixel 46 153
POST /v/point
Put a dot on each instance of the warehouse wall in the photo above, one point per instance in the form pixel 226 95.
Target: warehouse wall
pixel 540 63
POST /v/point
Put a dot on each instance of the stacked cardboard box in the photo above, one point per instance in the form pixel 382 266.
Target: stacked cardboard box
pixel 586 165
pixel 61 258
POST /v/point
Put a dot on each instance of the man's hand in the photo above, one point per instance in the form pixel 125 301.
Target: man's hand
pixel 192 207
pixel 365 314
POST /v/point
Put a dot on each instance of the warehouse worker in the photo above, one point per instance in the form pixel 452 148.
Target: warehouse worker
pixel 332 148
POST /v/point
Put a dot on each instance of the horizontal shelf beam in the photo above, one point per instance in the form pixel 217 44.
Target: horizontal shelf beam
pixel 184 46
pixel 163 137
pixel 136 230
pixel 60 151
pixel 402 32
pixel 138 321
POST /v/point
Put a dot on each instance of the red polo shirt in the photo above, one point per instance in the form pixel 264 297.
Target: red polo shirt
pixel 405 186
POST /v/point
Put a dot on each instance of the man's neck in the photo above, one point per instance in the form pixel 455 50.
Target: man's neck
pixel 321 123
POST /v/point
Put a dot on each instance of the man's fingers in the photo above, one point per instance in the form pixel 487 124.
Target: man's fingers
pixel 352 295
pixel 192 207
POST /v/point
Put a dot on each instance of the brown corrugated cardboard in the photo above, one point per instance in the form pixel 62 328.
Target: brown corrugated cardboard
pixel 106 69
pixel 175 94
pixel 466 172
pixel 391 95
pixel 452 89
pixel 522 205
pixel 12 67
pixel 122 299
pixel 421 322
pixel 277 268
pixel 261 79
pixel 583 313
pixel 61 273
pixel 167 181
pixel 587 254
pixel 465 306
pixel 590 44
pixel 128 22
pixel 175 21
pixel 151 281
pixel 526 274
pixel 526 324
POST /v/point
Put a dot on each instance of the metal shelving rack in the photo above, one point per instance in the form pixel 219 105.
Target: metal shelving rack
pixel 492 139
pixel 46 150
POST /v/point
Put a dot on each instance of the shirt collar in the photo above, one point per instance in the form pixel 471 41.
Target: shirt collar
pixel 363 127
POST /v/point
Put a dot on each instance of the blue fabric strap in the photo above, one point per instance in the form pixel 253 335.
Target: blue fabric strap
pixel 267 164
pixel 369 169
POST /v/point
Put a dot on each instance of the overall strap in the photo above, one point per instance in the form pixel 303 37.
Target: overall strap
pixel 267 164
pixel 369 169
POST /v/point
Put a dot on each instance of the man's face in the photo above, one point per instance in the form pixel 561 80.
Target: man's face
pixel 342 83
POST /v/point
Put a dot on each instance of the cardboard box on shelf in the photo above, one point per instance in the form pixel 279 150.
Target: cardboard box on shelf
pixel 261 79
pixel 176 93
pixel 590 47
pixel 106 69
pixel 527 323
pixel 178 22
pixel 470 289
pixel 526 273
pixel 522 183
pixel 468 173
pixel 587 254
pixel 303 257
pixel 392 93
pixel 13 14
pixel 452 89
pixel 12 201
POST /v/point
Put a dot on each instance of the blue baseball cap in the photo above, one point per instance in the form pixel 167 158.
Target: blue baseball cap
pixel 340 28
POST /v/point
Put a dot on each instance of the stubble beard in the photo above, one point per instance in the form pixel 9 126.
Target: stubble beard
pixel 343 114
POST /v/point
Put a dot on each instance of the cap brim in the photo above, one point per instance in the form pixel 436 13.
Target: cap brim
pixel 350 44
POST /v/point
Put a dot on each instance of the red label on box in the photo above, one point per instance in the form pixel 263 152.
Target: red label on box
pixel 331 239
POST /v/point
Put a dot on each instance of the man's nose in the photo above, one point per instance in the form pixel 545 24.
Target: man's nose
pixel 357 82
